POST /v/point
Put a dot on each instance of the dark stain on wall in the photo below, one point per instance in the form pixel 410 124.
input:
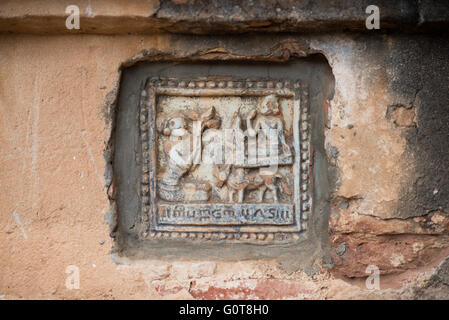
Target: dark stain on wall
pixel 420 67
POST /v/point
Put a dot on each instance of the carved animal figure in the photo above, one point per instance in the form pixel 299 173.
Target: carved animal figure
pixel 237 181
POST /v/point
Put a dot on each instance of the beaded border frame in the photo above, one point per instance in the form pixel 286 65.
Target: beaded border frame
pixel 222 87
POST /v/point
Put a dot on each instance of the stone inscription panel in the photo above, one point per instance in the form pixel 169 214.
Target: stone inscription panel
pixel 224 159
pixel 225 214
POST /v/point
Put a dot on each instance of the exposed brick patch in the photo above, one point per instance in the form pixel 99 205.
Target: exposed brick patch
pixel 392 254
pixel 252 289
pixel 167 288
pixel 401 116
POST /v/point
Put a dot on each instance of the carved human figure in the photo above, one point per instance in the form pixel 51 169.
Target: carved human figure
pixel 179 160
pixel 267 121
pixel 181 157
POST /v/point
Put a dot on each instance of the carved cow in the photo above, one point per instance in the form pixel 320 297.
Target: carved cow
pixel 238 180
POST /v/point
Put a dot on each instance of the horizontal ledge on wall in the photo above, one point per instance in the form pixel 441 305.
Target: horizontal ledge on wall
pixel 199 17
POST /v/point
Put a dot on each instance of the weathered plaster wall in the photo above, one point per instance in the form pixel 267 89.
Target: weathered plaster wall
pixel 57 96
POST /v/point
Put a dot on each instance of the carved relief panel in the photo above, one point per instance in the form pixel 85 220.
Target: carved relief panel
pixel 224 159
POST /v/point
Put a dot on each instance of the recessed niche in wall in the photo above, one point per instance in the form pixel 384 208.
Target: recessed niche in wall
pixel 220 159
